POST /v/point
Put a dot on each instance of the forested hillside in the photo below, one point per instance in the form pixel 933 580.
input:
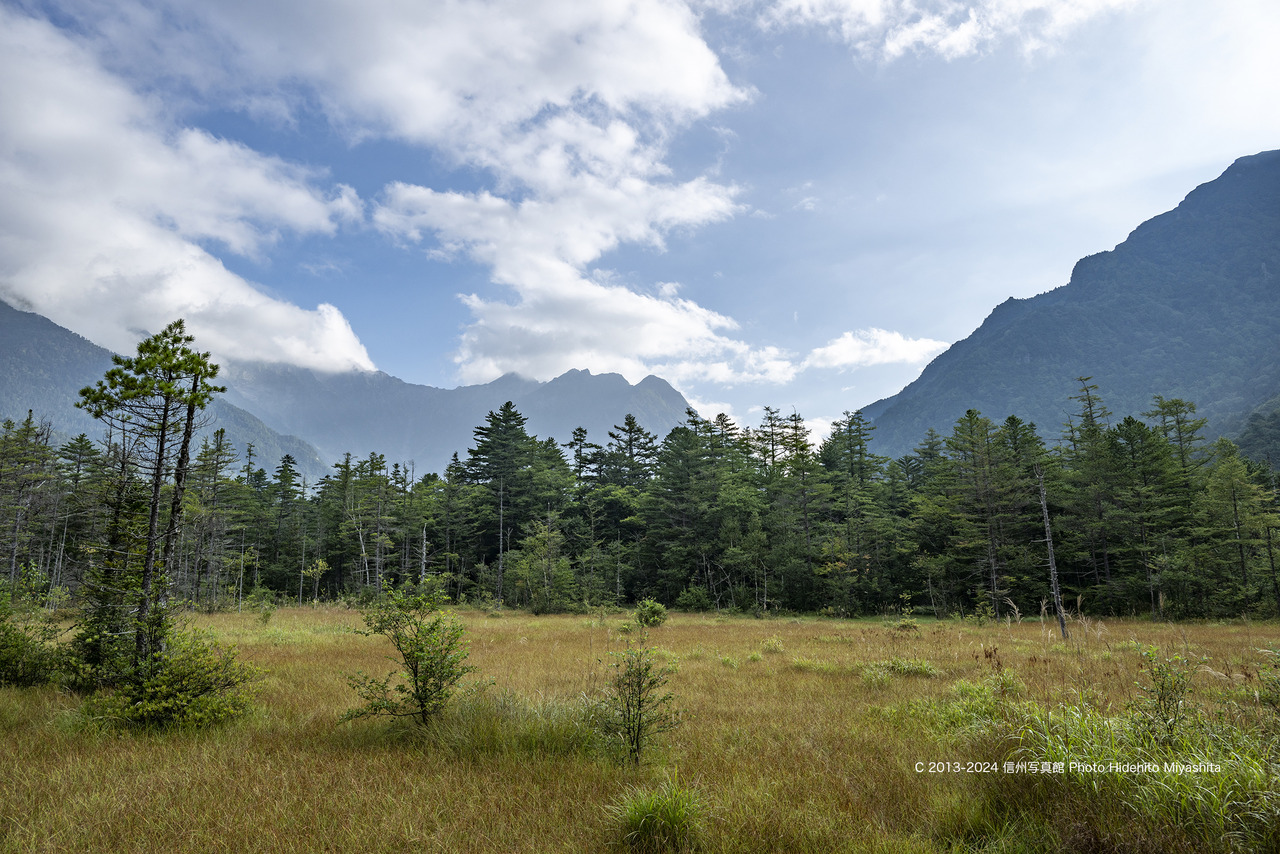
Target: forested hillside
pixel 1147 517
pixel 1188 306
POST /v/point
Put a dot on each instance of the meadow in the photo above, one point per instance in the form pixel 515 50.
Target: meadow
pixel 796 735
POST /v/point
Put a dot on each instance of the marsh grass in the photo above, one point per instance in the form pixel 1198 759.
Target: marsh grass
pixel 665 818
pixel 816 757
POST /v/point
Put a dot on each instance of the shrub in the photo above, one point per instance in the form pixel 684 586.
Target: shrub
pixel 669 818
pixel 430 649
pixel 694 599
pixel 636 706
pixel 1162 711
pixel 28 655
pixel 650 613
pixel 192 682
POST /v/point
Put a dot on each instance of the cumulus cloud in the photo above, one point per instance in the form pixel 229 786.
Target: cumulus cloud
pixel 104 207
pixel 888 29
pixel 866 347
pixel 565 109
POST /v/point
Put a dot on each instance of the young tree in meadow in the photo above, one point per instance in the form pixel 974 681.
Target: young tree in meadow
pixel 153 400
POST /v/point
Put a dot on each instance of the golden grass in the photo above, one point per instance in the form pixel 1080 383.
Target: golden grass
pixel 807 744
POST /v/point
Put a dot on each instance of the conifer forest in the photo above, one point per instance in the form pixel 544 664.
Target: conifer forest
pixel 1138 513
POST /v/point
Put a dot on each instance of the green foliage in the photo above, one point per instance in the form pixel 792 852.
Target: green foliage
pixel 650 613
pixel 670 818
pixel 28 635
pixel 909 667
pixel 637 706
pixel 1211 787
pixel 429 648
pixel 1163 711
pixel 192 682
pixel 694 598
pixel 1269 692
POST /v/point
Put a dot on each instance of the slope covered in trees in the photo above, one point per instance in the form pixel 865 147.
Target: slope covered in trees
pixel 1188 307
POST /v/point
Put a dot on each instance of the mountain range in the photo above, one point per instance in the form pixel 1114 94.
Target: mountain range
pixel 317 417
pixel 1188 306
pixel 364 412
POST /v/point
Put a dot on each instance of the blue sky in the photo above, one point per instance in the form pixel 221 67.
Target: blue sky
pixel 794 203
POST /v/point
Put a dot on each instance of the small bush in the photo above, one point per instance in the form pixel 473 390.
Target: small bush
pixel 1162 711
pixel 650 613
pixel 191 683
pixel 429 646
pixel 28 655
pixel 694 599
pixel 773 645
pixel 636 706
pixel 669 818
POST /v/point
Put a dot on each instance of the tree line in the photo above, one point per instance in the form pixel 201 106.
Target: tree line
pixel 1143 516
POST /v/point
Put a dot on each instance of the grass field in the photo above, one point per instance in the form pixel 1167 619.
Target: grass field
pixel 797 735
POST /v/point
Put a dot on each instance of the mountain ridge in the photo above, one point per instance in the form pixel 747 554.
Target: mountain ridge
pixel 317 417
pixel 1186 306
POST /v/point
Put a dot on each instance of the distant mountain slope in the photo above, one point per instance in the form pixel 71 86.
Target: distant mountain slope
pixel 43 367
pixel 1188 306
pixel 360 412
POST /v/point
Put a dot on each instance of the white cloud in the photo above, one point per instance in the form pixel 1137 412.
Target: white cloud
pixel 567 107
pixel 866 347
pixel 888 29
pixel 103 205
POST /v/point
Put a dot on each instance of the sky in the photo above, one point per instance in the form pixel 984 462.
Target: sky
pixel 785 203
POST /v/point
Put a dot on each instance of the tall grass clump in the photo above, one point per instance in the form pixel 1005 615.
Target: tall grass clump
pixel 480 721
pixel 1163 775
pixel 669 818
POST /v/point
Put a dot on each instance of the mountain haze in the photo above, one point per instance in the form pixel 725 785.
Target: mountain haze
pixel 363 412
pixel 43 367
pixel 1188 306
pixel 317 417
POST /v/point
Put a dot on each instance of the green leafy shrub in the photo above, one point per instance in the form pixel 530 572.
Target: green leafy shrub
pixel 668 818
pixel 694 599
pixel 637 708
pixel 28 654
pixel 429 648
pixel 1162 710
pixel 191 683
pixel 650 613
